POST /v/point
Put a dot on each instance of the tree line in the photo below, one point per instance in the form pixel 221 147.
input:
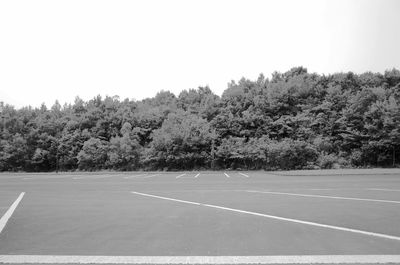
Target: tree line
pixel 293 120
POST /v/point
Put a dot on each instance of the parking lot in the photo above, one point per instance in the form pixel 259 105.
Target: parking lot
pixel 231 217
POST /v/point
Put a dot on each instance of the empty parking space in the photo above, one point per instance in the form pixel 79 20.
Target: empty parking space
pixel 367 216
pixel 362 196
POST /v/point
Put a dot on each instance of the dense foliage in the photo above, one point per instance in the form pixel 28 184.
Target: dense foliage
pixel 293 120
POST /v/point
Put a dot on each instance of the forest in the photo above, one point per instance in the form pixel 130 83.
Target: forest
pixel 292 120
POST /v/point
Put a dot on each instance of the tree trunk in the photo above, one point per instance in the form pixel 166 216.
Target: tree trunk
pixel 394 156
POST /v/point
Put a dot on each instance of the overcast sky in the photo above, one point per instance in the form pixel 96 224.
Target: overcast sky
pixel 62 49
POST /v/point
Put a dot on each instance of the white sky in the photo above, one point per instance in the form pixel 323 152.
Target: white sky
pixel 61 49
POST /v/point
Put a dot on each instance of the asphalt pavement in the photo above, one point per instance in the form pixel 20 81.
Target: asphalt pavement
pixel 205 214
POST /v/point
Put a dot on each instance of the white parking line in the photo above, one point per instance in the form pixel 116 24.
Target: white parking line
pixel 323 189
pixel 197 175
pixel 226 175
pixel 55 176
pixel 48 177
pixel 95 177
pixel 222 260
pixel 135 176
pixel 26 175
pixel 247 176
pixel 10 211
pixel 384 189
pixel 277 217
pixel 323 196
pixel 180 176
pixel 151 176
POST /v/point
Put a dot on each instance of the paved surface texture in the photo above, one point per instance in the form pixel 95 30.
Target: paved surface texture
pixel 96 214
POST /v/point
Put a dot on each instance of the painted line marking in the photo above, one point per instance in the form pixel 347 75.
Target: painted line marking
pixel 323 196
pixel 135 176
pixel 306 259
pixel 247 176
pixel 38 178
pixel 384 189
pixel 195 190
pixel 227 175
pixel 21 176
pixel 180 176
pixel 150 176
pixel 197 175
pixel 323 189
pixel 95 177
pixel 10 211
pixel 54 177
pixel 277 217
pixel 82 177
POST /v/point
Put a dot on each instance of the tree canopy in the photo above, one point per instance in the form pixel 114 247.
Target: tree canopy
pixel 293 120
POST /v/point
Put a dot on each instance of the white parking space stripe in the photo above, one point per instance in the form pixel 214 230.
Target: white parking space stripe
pixel 244 175
pixel 197 175
pixel 180 176
pixel 306 259
pixel 95 177
pixel 385 190
pixel 345 229
pixel 51 177
pixel 323 189
pixel 106 176
pixel 10 211
pixel 21 176
pixel 226 175
pixel 323 196
pixel 135 176
pixel 85 176
pixel 151 176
